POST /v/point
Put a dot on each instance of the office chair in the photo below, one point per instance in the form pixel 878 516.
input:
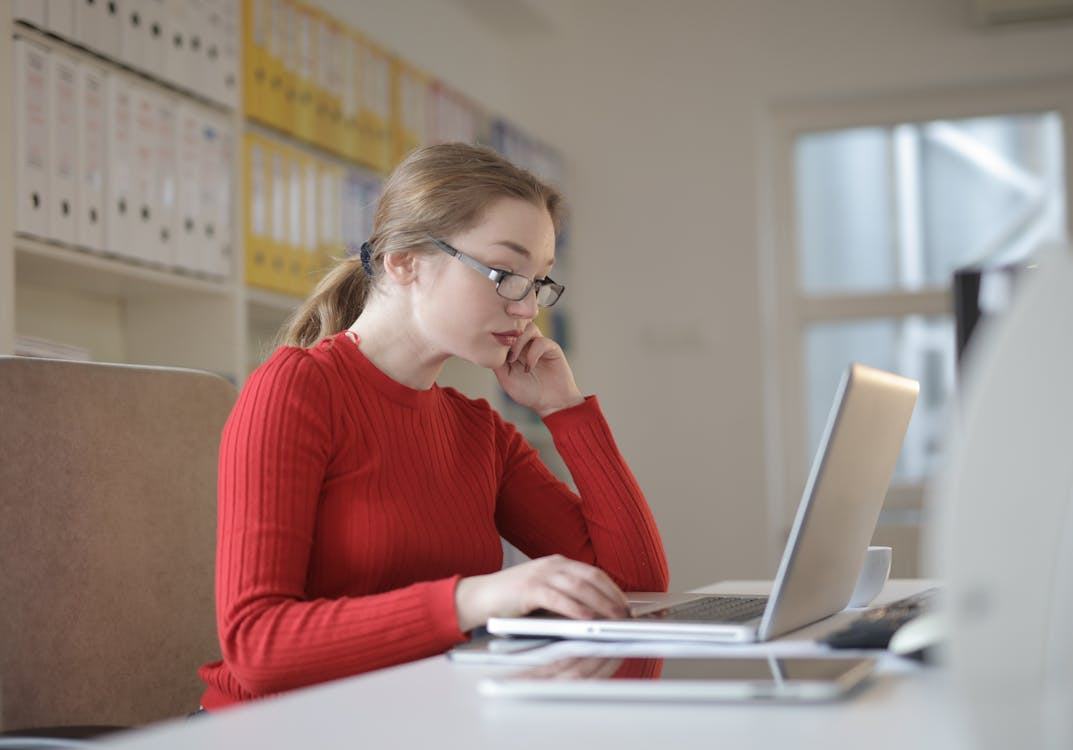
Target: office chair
pixel 107 542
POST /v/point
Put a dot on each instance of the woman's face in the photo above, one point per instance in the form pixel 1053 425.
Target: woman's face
pixel 459 311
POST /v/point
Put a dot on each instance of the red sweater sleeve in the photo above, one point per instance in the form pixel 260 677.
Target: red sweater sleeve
pixel 610 525
pixel 273 457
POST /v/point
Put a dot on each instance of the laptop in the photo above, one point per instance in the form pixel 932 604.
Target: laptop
pixel 824 552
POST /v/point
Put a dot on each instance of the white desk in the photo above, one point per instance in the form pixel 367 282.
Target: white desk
pixel 434 703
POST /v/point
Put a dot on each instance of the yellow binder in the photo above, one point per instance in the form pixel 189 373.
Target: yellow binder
pixel 285 67
pixel 256 63
pixel 410 91
pixel 295 255
pixel 257 239
pixel 330 75
pixel 350 102
pixel 330 216
pixel 278 217
pixel 276 52
pixel 310 246
pixel 376 147
pixel 305 83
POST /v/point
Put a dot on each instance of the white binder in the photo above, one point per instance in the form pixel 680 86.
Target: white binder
pixel 213 83
pixel 230 61
pixel 62 186
pixel 224 258
pixel 177 46
pixel 188 196
pixel 156 31
pixel 31 138
pixel 112 16
pixel 132 36
pixel 92 137
pixel 143 174
pixel 197 72
pixel 218 62
pixel 30 11
pixel 119 217
pixel 60 18
pixel 90 20
pixel 214 182
pixel 166 183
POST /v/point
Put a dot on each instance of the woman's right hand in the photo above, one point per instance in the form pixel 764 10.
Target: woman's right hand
pixel 555 583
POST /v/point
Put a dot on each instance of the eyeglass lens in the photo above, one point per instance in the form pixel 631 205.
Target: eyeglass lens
pixel 516 287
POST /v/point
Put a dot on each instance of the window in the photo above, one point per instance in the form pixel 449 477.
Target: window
pixel 873 209
pixel 899 209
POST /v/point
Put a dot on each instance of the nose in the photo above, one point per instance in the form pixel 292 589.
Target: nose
pixel 525 308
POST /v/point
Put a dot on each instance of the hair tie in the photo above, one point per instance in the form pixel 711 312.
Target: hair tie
pixel 366 258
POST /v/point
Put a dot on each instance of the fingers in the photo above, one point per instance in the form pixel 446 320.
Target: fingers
pixel 576 590
pixel 530 346
pixel 555 583
pixel 528 334
pixel 594 592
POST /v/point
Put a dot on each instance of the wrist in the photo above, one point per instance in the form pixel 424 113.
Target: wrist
pixel 569 404
pixel 467 608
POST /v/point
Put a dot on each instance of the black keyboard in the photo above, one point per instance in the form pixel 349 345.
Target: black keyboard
pixel 712 609
pixel 874 628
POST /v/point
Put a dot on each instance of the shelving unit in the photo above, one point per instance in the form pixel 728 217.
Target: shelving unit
pixel 121 308
pixel 112 307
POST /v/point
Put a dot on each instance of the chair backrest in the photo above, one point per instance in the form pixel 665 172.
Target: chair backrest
pixel 107 540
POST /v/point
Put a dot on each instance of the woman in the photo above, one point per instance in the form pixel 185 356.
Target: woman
pixel 361 505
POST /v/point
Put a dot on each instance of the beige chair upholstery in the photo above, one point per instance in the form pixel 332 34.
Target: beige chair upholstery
pixel 107 540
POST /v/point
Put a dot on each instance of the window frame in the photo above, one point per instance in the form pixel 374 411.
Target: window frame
pixel 787 311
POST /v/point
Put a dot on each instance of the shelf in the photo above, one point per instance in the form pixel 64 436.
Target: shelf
pixel 59 266
pixel 269 309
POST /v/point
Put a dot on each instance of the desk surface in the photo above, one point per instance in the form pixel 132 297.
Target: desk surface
pixel 434 703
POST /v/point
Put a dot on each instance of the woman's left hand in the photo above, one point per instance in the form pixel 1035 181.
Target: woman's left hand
pixel 537 375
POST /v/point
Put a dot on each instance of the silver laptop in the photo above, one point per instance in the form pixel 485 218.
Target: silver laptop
pixel 824 552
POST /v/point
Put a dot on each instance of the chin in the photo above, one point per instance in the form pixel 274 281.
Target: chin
pixel 491 362
pixel 487 359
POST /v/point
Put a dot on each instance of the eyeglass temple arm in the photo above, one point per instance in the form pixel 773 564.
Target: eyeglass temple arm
pixel 473 263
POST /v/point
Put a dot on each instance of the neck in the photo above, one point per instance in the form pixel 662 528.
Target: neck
pixel 387 340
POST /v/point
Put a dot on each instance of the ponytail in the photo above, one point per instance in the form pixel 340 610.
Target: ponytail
pixel 334 304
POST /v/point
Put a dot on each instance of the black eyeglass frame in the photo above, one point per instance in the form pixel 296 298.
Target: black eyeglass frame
pixel 498 276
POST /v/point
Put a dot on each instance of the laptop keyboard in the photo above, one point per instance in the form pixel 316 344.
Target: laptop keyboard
pixel 712 609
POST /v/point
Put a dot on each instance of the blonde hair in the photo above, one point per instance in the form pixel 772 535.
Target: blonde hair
pixel 438 191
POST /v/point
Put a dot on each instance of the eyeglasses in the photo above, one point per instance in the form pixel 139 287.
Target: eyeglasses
pixel 509 285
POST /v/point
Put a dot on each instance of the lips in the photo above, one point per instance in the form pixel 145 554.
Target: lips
pixel 506 338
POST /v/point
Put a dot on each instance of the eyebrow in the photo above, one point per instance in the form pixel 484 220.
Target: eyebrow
pixel 520 250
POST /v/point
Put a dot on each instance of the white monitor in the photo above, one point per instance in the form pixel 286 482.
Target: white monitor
pixel 1002 513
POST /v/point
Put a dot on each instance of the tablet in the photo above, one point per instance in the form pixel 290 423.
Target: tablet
pixel 760 678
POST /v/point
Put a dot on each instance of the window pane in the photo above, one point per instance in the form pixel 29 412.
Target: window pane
pixel 899 208
pixel 992 191
pixel 843 210
pixel 916 346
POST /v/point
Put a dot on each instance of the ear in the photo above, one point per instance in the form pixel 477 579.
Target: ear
pixel 401 267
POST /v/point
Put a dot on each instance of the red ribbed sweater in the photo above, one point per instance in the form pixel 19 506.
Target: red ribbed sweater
pixel 350 505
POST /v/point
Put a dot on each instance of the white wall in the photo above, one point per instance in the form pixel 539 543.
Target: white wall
pixel 659 109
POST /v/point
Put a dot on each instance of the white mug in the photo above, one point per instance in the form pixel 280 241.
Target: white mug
pixel 874 573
